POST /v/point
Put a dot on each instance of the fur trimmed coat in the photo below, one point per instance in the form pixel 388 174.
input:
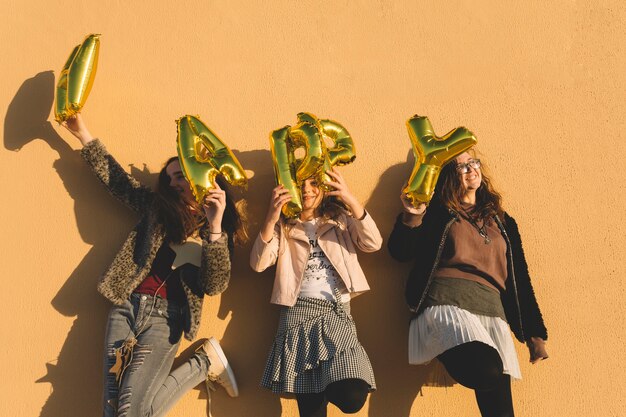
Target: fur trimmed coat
pixel 424 244
pixel 134 260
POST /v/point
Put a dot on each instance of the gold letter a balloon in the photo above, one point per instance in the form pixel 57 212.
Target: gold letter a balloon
pixel 76 78
pixel 431 153
pixel 203 156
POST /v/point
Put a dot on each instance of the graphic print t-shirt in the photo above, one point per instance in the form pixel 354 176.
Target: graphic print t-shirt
pixel 320 277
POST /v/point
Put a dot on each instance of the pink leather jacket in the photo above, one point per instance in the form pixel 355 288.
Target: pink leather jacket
pixel 338 238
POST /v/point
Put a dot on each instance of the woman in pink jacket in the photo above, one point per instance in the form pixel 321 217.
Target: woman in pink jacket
pixel 316 353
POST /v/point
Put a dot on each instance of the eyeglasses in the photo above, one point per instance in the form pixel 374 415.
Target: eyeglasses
pixel 465 168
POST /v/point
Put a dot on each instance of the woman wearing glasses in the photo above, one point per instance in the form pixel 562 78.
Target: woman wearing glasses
pixel 469 283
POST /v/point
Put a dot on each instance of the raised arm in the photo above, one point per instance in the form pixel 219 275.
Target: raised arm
pixel 216 257
pixel 404 239
pixel 265 250
pixel 363 230
pixel 119 182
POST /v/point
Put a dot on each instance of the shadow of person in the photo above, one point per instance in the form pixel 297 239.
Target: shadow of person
pixel 76 375
pixel 381 315
pixel 253 320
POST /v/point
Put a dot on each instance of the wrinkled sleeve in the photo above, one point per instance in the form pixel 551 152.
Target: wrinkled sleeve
pixel 215 265
pixel 265 254
pixel 404 240
pixel 364 233
pixel 532 319
pixel 118 182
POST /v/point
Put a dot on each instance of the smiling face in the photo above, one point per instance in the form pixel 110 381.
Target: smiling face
pixel 312 195
pixel 471 180
pixel 178 181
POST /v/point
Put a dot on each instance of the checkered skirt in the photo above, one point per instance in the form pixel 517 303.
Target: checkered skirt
pixel 316 344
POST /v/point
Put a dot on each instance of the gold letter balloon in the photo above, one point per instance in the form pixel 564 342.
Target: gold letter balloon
pixel 432 153
pixel 203 156
pixel 309 135
pixel 76 78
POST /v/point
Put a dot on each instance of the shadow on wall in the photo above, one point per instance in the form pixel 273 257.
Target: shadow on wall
pixel 381 315
pixel 76 375
pixel 253 320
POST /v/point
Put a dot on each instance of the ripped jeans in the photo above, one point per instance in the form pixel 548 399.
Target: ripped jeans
pixel 148 387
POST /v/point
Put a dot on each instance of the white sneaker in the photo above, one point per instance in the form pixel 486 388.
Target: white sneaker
pixel 219 369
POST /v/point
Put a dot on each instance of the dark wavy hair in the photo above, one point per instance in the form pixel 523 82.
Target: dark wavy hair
pixel 449 192
pixel 182 220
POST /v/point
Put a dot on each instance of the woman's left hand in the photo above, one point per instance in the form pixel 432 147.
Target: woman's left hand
pixel 214 206
pixel 537 348
pixel 342 191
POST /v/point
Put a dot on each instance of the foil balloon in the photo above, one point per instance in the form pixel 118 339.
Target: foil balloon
pixel 76 78
pixel 203 156
pixel 431 153
pixel 309 134
pixel 343 150
pixel 285 169
pixel 306 136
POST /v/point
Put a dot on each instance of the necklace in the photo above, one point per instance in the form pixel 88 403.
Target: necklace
pixel 482 230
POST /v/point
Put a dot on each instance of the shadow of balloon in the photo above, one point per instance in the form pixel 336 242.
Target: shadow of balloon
pixel 251 330
pixel 76 374
pixel 381 315
pixel 103 223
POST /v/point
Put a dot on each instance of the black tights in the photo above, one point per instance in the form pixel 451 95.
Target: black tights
pixel 348 394
pixel 479 367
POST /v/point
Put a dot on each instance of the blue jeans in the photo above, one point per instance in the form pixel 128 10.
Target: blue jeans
pixel 148 387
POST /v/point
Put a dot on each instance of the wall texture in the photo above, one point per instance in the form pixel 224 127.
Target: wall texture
pixel 540 83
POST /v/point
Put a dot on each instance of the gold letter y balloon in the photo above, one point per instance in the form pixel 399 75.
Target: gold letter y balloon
pixel 203 156
pixel 76 78
pixel 431 153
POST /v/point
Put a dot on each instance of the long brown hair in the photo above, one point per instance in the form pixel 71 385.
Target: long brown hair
pixel 450 192
pixel 329 209
pixel 182 220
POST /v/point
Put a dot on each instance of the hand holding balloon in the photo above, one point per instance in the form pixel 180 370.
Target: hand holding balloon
pixel 280 197
pixel 411 215
pixel 77 127
pixel 340 190
pixel 214 205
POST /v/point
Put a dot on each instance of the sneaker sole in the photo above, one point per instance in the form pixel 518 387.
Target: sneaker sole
pixel 231 375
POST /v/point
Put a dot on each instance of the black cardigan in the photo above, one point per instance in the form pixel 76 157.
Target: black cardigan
pixel 424 245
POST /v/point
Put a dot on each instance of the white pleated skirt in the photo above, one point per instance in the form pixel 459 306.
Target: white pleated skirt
pixel 439 328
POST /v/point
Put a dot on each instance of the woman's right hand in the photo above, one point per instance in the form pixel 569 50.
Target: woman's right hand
pixel 411 215
pixel 280 197
pixel 77 127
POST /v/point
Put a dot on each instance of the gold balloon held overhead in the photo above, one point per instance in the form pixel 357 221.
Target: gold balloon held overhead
pixel 203 156
pixel 76 78
pixel 309 135
pixel 431 153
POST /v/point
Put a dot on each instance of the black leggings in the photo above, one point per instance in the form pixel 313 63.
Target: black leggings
pixel 479 367
pixel 348 395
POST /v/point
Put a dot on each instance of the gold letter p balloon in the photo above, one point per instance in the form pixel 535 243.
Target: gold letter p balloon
pixel 431 153
pixel 203 156
pixel 308 134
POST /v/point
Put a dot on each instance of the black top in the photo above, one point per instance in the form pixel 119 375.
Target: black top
pixel 424 245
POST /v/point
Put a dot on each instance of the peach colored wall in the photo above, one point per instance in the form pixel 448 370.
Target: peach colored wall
pixel 540 83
